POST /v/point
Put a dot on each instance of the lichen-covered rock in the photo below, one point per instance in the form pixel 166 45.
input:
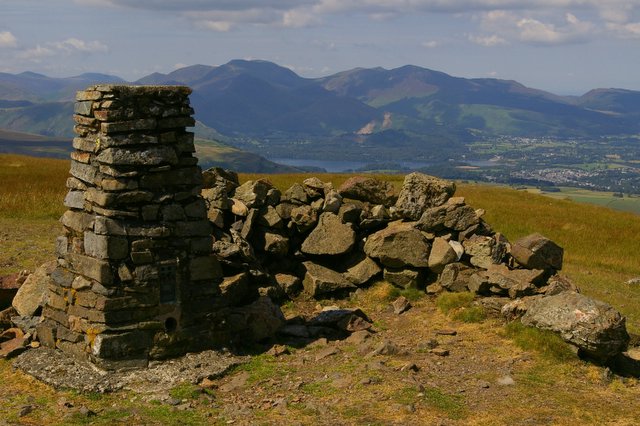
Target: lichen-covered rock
pixel 399 245
pixel 332 201
pixel 368 189
pixel 536 251
pixel 304 217
pixel 595 327
pixel 516 308
pixel 420 192
pixel 486 251
pixel 329 237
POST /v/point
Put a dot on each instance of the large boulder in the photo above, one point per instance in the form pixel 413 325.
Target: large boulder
pixel 372 190
pixel 399 245
pixel 319 280
pixel 329 237
pixel 31 295
pixel 420 192
pixel 536 251
pixel 595 327
pixel 454 215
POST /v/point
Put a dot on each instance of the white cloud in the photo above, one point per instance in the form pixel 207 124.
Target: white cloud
pixel 36 54
pixel 431 44
pixel 625 30
pixel 487 41
pixel 297 18
pixel 73 44
pixel 66 47
pixel 533 21
pixel 512 27
pixel 7 39
pixel 536 32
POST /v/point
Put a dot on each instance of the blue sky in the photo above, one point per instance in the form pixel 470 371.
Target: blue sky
pixel 564 46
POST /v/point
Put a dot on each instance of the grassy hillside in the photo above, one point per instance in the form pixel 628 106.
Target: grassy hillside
pixel 213 153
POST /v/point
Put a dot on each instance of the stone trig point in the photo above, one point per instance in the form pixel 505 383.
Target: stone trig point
pixel 136 279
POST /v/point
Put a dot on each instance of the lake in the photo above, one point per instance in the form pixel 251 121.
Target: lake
pixel 338 166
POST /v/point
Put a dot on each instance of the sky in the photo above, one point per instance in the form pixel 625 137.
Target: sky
pixel 564 46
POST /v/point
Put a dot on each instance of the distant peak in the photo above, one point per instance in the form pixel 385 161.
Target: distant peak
pixel 32 74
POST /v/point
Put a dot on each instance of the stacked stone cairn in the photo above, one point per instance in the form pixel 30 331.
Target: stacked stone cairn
pixel 136 279
pixel 316 241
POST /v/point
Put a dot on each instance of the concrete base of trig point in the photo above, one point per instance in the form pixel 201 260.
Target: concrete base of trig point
pixel 136 280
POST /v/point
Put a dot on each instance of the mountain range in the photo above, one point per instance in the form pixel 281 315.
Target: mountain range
pixel 406 113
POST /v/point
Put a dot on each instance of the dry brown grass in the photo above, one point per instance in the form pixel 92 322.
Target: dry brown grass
pixel 32 188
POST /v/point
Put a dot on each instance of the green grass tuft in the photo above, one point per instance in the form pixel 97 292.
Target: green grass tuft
pixel 185 390
pixel 470 314
pixel 451 405
pixel 448 302
pixel 545 342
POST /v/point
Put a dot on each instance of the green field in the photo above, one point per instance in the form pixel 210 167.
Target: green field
pixel 605 199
